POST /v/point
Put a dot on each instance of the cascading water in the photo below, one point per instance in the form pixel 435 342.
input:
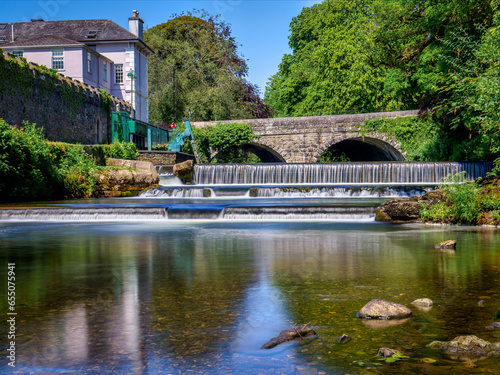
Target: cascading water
pixel 417 173
pixel 269 192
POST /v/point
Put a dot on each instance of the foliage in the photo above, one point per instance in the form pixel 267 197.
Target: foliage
pixel 33 169
pixel 198 58
pixel 106 101
pixel 417 135
pixel 27 171
pixel 223 139
pixel 332 155
pixel 76 168
pixel 465 202
pixel 117 150
pixel 330 67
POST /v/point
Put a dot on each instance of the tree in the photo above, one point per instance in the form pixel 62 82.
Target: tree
pixel 196 66
pixel 330 68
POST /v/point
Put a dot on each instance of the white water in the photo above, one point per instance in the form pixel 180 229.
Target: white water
pixel 336 173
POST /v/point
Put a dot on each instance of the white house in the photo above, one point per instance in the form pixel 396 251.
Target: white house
pixel 98 52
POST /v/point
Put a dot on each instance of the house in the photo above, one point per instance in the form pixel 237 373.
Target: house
pixel 97 52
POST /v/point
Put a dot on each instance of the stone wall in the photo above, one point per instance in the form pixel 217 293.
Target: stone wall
pixel 304 139
pixel 68 110
pixel 164 157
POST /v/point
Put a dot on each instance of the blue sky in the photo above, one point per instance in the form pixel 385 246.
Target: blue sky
pixel 260 27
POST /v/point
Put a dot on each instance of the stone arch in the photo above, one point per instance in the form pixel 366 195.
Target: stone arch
pixel 370 147
pixel 264 152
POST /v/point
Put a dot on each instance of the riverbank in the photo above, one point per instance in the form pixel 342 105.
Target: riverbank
pixel 473 203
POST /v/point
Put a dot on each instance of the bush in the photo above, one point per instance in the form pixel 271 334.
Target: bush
pixel 33 169
pixel 27 170
pixel 117 150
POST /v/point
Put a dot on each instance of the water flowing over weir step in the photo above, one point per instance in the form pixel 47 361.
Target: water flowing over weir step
pixel 414 173
pixel 334 213
pixel 194 192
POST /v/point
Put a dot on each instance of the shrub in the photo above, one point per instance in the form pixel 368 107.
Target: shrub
pixel 27 171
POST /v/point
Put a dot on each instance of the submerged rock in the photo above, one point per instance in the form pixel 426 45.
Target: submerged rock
pixel 289 335
pixel 469 348
pixel 380 309
pixel 449 244
pixel 344 338
pixel 381 324
pixel 387 353
pixel 425 302
pixel 495 325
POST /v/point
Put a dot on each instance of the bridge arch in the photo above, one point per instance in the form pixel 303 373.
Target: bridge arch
pixel 265 153
pixel 367 147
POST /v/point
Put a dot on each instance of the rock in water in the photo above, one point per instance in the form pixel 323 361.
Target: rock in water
pixel 380 309
pixel 495 325
pixel 423 302
pixel 450 244
pixel 289 335
pixel 468 347
pixel 387 352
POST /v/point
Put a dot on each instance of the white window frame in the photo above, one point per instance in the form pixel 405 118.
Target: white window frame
pixel 58 58
pixel 119 73
pixel 89 62
pixel 17 52
pixel 105 70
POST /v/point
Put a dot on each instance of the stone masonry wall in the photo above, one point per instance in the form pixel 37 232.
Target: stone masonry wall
pixel 303 139
pixel 68 110
pixel 164 157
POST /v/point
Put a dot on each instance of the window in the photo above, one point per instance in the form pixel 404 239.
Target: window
pixel 89 62
pixel 58 59
pixel 119 73
pixel 18 52
pixel 105 71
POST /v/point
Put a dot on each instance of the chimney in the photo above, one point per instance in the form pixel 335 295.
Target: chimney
pixel 135 25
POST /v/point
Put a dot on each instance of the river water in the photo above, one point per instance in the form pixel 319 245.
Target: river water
pixel 196 290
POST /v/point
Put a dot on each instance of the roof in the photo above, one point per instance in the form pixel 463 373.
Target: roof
pixel 83 31
pixel 46 40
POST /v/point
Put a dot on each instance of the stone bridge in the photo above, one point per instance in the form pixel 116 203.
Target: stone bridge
pixel 304 139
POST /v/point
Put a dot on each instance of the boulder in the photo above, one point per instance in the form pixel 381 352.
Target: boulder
pixel 449 244
pixel 470 348
pixel 407 210
pixel 399 210
pixel 289 335
pixel 184 171
pixel 380 309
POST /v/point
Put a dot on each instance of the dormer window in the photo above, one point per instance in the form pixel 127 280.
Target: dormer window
pixel 3 26
pixel 91 34
pixel 3 39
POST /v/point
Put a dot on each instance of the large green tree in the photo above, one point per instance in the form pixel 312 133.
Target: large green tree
pixel 330 68
pixel 196 66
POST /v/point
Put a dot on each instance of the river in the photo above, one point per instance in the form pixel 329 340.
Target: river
pixel 168 284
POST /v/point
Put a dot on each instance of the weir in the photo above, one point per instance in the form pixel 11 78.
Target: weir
pixel 265 192
pixel 385 173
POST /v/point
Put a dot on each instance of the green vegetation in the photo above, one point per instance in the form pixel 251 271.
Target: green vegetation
pixel 196 67
pixel 438 56
pixel 465 203
pixel 33 169
pixel 222 139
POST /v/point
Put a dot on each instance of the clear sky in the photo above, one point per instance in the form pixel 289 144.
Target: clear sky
pixel 260 27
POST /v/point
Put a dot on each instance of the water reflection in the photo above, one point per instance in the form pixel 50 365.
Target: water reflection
pixel 148 298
